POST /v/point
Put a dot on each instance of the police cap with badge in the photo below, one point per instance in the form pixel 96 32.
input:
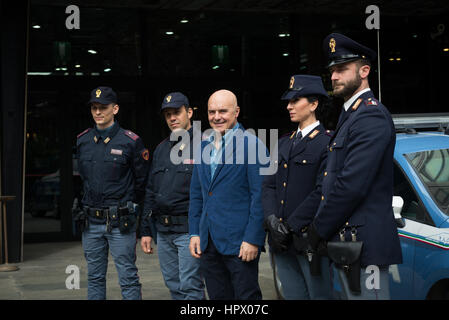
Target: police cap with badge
pixel 174 100
pixel 304 85
pixel 103 95
pixel 341 49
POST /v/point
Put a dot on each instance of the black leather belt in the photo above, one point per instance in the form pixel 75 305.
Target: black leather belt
pixel 168 220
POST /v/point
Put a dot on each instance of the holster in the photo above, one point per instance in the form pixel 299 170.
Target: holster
pixel 346 256
pixel 80 219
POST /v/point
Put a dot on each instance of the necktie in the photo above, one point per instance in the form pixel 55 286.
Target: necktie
pixel 297 138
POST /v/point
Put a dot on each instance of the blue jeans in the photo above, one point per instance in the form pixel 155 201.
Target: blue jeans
pixel 180 270
pixel 297 281
pixel 96 243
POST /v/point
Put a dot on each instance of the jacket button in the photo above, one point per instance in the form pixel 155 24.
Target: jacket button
pixel 330 149
pixel 285 165
pixel 325 173
pixel 304 161
pixel 210 194
pixel 322 198
pixel 347 223
pixel 282 201
pixel 335 143
pixel 285 184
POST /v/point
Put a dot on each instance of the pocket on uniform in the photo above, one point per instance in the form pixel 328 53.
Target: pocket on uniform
pixel 336 156
pixel 305 159
pixel 115 166
pixel 85 163
pixel 185 168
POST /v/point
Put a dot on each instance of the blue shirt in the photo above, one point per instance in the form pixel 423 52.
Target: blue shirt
pixel 216 154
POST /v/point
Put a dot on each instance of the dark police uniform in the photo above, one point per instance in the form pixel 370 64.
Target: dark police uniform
pixel 167 202
pixel 113 165
pixel 299 163
pixel 357 185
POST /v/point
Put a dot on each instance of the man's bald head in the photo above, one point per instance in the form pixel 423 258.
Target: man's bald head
pixel 222 110
pixel 223 97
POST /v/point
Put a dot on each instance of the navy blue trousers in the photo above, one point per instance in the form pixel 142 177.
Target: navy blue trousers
pixel 227 277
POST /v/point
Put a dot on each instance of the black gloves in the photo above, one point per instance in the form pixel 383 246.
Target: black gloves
pixel 280 233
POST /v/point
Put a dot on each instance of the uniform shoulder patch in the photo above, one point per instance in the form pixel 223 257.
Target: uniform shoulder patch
pixel 371 102
pixel 83 133
pixel 131 134
pixel 146 155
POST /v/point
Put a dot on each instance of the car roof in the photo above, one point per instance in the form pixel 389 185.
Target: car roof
pixel 421 141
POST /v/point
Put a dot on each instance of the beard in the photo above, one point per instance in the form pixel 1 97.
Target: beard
pixel 348 88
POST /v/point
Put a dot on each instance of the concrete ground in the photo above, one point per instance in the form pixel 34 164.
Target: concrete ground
pixel 42 275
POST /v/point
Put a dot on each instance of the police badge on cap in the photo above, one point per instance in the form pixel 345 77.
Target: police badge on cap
pixel 103 95
pixel 341 49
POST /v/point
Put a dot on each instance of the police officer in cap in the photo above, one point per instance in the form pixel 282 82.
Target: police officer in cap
pixel 167 201
pixel 301 156
pixel 355 213
pixel 113 164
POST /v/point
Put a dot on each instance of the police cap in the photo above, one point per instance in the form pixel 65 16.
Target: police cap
pixel 304 85
pixel 341 49
pixel 103 95
pixel 174 100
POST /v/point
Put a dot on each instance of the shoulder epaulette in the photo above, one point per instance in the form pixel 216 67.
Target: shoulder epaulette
pixel 371 102
pixel 314 133
pixel 83 133
pixel 356 104
pixel 131 135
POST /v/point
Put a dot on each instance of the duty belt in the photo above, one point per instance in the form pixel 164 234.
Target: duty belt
pixel 106 212
pixel 168 220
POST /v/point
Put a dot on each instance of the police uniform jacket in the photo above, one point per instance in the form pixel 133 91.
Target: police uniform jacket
pixel 299 165
pixel 113 169
pixel 168 186
pixel 357 185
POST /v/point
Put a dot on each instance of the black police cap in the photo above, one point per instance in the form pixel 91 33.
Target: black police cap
pixel 174 100
pixel 341 49
pixel 304 85
pixel 103 95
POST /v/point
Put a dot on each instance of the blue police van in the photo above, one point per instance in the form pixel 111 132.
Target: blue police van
pixel 421 208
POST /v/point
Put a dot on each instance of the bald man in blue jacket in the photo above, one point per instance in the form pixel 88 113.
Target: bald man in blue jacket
pixel 225 213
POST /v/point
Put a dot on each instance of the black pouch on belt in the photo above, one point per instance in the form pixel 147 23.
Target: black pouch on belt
pixel 126 223
pixel 346 255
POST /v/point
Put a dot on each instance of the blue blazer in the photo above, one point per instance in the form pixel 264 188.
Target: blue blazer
pixel 228 206
pixel 357 186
